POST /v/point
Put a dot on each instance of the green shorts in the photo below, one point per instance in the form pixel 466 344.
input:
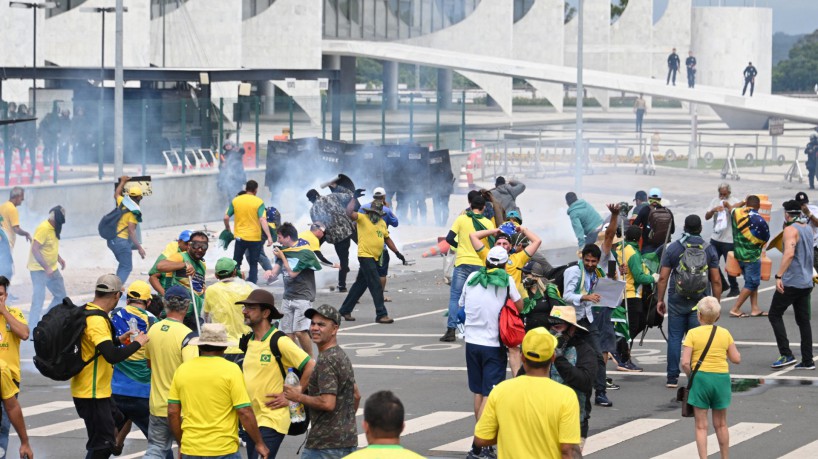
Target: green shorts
pixel 710 391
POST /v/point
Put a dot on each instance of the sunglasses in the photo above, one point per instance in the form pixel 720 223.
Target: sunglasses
pixel 198 245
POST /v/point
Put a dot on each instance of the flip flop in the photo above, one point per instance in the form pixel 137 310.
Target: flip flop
pixel 760 314
pixel 739 316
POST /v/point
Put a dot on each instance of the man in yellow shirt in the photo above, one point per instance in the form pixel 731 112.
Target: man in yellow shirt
pixel 167 349
pixel 467 260
pixel 8 392
pixel 250 220
pixel 514 403
pixel 372 235
pixel 212 393
pixel 383 424
pixel 16 329
pixel 91 387
pixel 221 304
pixel 264 374
pixel 127 233
pixel 315 237
pixel 42 264
pixel 10 222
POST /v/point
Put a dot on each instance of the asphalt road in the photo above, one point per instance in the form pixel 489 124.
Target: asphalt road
pixel 770 420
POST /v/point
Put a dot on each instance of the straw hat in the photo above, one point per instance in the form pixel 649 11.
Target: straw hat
pixel 213 335
pixel 565 314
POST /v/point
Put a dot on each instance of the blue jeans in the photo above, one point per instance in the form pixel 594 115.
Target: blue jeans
pixel 334 453
pixel 253 249
pixel 124 255
pixel 136 409
pixel 752 274
pixel 160 439
pixel 459 276
pixel 39 282
pixel 271 438
pixel 678 324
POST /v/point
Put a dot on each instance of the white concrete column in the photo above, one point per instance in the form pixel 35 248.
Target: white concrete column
pixel 390 84
pixel 444 88
pixel 267 91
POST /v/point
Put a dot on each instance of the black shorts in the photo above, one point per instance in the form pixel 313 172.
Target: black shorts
pixel 101 418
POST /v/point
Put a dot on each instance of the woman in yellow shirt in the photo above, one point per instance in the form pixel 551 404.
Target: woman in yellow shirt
pixel 711 389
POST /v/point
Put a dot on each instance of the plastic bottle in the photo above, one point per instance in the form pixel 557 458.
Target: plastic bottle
pixel 134 328
pixel 297 413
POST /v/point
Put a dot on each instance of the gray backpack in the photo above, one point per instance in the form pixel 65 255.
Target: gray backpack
pixel 691 275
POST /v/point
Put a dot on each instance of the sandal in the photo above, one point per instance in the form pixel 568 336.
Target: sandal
pixel 760 314
pixel 739 316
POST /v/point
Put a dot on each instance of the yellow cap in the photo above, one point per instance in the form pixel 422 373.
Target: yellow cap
pixel 539 345
pixel 139 290
pixel 135 190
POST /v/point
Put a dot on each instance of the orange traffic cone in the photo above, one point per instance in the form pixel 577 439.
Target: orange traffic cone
pixel 442 249
pixel 14 176
pixel 39 166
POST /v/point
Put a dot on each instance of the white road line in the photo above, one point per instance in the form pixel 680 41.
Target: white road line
pixel 58 428
pixel 462 445
pixel 765 289
pixel 46 408
pixel 618 373
pixel 739 433
pixel 802 452
pixel 623 432
pixel 429 421
pixel 436 311
pixel 738 343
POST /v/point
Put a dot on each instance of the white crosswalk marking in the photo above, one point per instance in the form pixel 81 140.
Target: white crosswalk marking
pixel 46 408
pixel 621 433
pixel 739 433
pixel 429 421
pixel 461 445
pixel 802 452
pixel 58 428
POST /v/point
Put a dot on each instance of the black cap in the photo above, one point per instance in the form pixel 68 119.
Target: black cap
pixel 641 195
pixel 801 197
pixel 792 207
pixel 693 224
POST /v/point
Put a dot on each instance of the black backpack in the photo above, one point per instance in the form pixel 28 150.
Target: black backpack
pixel 557 275
pixel 691 278
pixel 57 340
pixel 108 223
pixel 296 428
pixel 660 221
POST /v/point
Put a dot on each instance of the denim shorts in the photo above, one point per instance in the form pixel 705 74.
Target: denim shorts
pixel 485 367
pixel 751 271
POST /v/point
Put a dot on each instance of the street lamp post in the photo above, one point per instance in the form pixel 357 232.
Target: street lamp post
pixel 580 147
pixel 102 11
pixel 33 6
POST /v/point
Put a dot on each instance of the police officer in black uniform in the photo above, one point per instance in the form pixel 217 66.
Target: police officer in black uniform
pixel 750 73
pixel 690 63
pixel 673 63
pixel 812 158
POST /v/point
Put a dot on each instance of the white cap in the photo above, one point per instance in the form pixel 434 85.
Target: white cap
pixel 379 192
pixel 497 256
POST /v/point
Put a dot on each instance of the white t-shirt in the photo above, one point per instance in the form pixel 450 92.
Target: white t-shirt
pixel 725 236
pixel 483 307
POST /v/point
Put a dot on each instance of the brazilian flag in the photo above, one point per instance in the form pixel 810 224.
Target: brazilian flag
pixel 301 257
pixel 619 317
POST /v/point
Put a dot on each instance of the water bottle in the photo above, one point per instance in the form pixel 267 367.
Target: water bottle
pixel 297 413
pixel 134 328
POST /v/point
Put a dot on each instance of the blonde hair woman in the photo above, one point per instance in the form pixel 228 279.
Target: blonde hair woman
pixel 711 386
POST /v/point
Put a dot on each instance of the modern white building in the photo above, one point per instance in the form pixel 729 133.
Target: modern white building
pixel 290 34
